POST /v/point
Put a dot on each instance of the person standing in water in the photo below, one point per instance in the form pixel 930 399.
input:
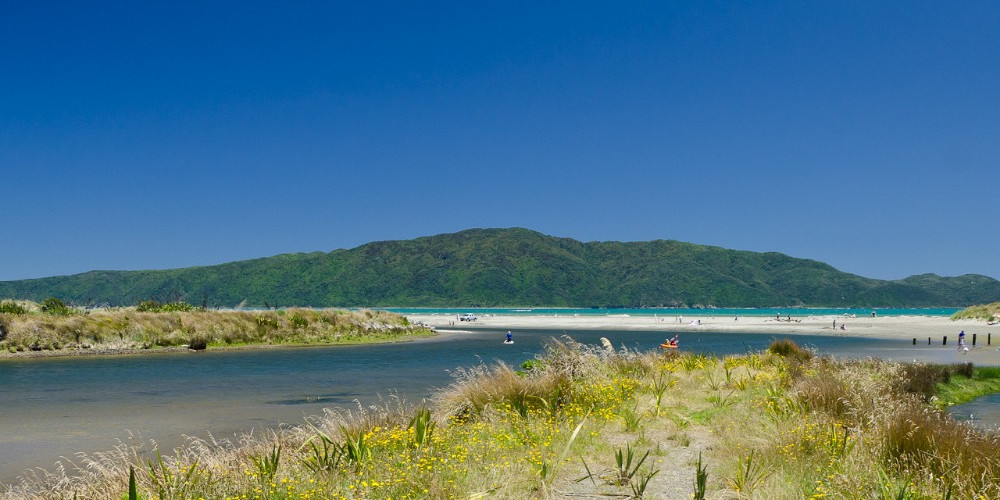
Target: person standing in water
pixel 510 337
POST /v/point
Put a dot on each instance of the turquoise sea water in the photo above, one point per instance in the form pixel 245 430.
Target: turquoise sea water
pixel 722 311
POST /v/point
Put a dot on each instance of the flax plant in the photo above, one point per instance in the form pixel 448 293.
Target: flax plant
pixel 794 426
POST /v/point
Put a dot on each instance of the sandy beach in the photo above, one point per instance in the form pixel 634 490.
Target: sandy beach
pixel 921 328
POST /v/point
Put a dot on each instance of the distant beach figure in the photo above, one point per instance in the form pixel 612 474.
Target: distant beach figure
pixel 510 337
pixel 961 341
pixel 670 344
pixel 843 327
pixel 834 324
pixel 873 314
pixel 737 318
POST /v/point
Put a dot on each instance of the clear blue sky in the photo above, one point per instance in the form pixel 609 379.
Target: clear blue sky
pixel 136 135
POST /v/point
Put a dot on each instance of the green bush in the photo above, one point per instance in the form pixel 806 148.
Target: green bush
pixel 154 306
pixel 11 307
pixel 788 349
pixel 55 307
pixel 266 322
pixel 298 321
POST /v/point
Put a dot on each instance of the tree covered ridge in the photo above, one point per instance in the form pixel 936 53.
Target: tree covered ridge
pixel 514 267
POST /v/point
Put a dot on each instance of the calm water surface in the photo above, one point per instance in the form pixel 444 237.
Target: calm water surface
pixel 57 407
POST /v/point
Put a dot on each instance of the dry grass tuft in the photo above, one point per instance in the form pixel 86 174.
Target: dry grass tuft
pixel 837 429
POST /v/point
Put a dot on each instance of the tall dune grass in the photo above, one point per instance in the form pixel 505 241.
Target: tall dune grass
pixel 985 312
pixel 584 421
pixel 129 328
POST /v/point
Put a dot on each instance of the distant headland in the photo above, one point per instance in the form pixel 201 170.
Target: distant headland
pixel 512 267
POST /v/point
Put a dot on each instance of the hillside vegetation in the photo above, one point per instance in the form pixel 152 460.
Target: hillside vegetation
pixel 513 267
pixel 593 422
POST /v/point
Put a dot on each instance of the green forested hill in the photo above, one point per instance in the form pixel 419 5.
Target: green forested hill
pixel 513 267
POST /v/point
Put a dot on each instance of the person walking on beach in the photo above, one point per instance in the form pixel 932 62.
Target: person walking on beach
pixel 961 340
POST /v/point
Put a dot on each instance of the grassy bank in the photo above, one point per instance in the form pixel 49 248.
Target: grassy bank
pixel 585 421
pixel 49 327
pixel 966 384
pixel 985 312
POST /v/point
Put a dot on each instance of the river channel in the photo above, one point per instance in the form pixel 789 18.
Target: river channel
pixel 55 407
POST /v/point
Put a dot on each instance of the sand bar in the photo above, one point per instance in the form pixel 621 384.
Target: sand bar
pixel 898 327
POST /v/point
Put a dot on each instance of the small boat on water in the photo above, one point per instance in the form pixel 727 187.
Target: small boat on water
pixel 668 346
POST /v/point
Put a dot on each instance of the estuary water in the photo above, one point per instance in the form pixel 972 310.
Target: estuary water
pixel 55 407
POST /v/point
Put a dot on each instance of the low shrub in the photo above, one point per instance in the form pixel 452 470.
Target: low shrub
pixel 11 307
pixel 298 321
pixel 55 307
pixel 156 307
pixel 921 378
pixel 266 322
pixel 788 349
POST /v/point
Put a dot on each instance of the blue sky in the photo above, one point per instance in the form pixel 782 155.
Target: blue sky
pixel 140 135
